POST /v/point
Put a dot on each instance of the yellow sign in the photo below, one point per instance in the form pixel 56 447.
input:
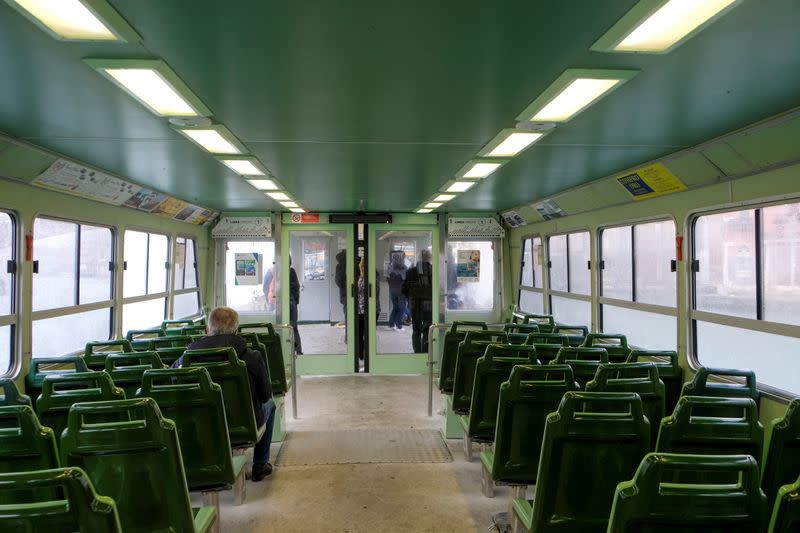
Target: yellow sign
pixel 651 181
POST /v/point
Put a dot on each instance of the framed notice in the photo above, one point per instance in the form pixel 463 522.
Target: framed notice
pixel 248 268
pixel 468 266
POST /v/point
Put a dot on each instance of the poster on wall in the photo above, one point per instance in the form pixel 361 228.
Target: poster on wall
pixel 468 266
pixel 248 269
pixel 85 182
pixel 651 181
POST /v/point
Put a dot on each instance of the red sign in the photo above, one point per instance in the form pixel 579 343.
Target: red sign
pixel 305 218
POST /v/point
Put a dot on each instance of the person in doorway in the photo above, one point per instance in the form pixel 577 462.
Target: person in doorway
pixel 396 275
pixel 418 289
pixel 268 287
pixel 294 301
pixel 221 332
pixel 340 278
pixel 361 312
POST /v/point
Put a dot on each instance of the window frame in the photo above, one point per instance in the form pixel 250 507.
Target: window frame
pixel 548 264
pixel 179 292
pixel 545 281
pixel 147 296
pixel 497 244
pixel 12 319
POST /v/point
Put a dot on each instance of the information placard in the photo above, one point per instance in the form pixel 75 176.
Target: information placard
pixel 651 181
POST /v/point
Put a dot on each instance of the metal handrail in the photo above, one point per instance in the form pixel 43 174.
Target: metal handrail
pixel 289 339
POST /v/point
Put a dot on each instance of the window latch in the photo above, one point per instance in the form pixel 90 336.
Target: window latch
pixel 696 265
pixel 11 267
pixel 352 290
pixel 166 265
pixel 602 265
pixel 549 264
pixel 111 266
pixel 124 265
pixel 35 266
pixel 588 265
pixel 673 265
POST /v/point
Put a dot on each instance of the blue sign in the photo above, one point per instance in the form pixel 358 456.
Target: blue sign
pixel 635 184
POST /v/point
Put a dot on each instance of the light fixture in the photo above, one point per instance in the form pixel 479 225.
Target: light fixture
pixel 154 84
pixel 77 20
pixel 297 210
pixel 289 204
pixel 216 139
pixel 244 165
pixel 572 92
pixel 509 142
pixel 278 195
pixel 479 168
pixel 433 205
pixel 423 211
pixel 444 197
pixel 263 185
pixel 460 186
pixel 659 26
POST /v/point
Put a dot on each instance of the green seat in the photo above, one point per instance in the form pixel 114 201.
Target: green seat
pixel 188 397
pixel 452 339
pixel 703 425
pixel 593 442
pixel 583 360
pixel 196 329
pixel 170 348
pixel 644 504
pixel 575 334
pixel 96 352
pixel 786 512
pixel 641 378
pixel 470 350
pixel 530 394
pixel 44 366
pixel 253 341
pixel 24 446
pixel 525 329
pixel 137 463
pixel 548 338
pixel 615 344
pixel 175 327
pixel 669 370
pixel 491 370
pixel 546 353
pixel 140 338
pixel 781 463
pixel 273 345
pixel 10 394
pixel 60 391
pixel 126 370
pixel 67 502
pixel 701 386
pixel 546 323
pixel 230 373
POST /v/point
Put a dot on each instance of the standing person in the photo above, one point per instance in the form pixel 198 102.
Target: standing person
pixel 396 276
pixel 340 278
pixel 268 288
pixel 361 312
pixel 418 287
pixel 294 301
pixel 223 324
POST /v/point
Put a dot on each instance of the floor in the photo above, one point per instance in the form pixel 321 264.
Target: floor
pixel 441 497
pixel 327 339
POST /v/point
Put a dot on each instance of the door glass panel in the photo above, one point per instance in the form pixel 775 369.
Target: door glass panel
pixel 319 312
pixel 470 275
pixel 402 316
pixel 241 293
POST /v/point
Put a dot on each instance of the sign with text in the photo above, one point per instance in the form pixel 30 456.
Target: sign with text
pixel 468 266
pixel 651 181
pixel 305 218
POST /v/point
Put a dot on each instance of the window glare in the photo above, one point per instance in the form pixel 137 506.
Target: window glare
pixel 654 248
pixel 617 256
pixel 781 263
pixel 558 262
pixel 527 264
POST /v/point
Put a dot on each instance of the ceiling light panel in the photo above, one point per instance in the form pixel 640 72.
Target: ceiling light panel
pixel 216 139
pixel 572 92
pixel 423 211
pixel 658 26
pixel 444 197
pixel 460 186
pixel 433 205
pixel 77 20
pixel 289 204
pixel 263 185
pixel 510 142
pixel 243 165
pixel 279 195
pixel 479 168
pixel 297 210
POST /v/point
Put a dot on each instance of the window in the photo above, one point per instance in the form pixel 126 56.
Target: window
pixel 569 257
pixel 144 284
pixel 251 299
pixel 470 275
pixel 72 286
pixel 746 288
pixel 186 296
pixel 636 267
pixel 8 319
pixel 531 290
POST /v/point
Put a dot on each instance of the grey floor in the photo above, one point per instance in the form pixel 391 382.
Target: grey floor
pixel 440 497
pixel 327 339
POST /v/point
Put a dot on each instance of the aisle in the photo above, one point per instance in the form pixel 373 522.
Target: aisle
pixel 371 497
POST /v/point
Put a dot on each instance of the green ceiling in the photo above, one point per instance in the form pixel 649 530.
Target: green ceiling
pixel 371 105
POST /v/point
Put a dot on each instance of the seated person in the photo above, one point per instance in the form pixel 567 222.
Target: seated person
pixel 223 324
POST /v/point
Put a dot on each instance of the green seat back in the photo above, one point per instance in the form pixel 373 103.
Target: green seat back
pixel 170 348
pixel 703 425
pixel 253 341
pixel 530 394
pixel 175 327
pixel 584 361
pixel 615 344
pixel 470 350
pixel 594 441
pixel 575 334
pixel 517 338
pixel 548 338
pixel 546 323
pixel 68 502
pixel 10 394
pixel 126 370
pixel 701 386
pixel 60 391
pixel 546 353
pixel 24 445
pixel 273 345
pixel 641 378
pixel 491 370
pixel 669 370
pixel 452 338
pixel 96 352
pixel 230 373
pixel 781 463
pixel 786 512
pixel 140 338
pixel 526 329
pixel 137 463
pixel 197 329
pixel 644 504
pixel 188 397
pixel 44 366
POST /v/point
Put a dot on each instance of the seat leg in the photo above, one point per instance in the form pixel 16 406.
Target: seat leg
pixel 487 483
pixel 467 448
pixel 212 498
pixel 517 492
pixel 240 488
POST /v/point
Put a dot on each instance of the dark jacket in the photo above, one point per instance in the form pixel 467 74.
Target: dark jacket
pixel 340 276
pixel 418 289
pixel 294 287
pixel 260 385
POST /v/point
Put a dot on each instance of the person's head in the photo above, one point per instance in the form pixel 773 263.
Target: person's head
pixel 223 321
pixel 425 256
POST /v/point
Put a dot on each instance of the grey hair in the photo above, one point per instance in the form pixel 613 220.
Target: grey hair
pixel 425 255
pixel 223 321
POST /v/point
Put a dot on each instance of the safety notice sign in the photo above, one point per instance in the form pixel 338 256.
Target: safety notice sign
pixel 651 181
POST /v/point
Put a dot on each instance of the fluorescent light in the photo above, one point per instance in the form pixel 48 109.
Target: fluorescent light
pixel 77 20
pixel 433 205
pixel 575 97
pixel 149 87
pixel 481 170
pixel 444 197
pixel 243 167
pixel 424 210
pixel 297 210
pixel 289 204
pixel 263 185
pixel 211 140
pixel 670 24
pixel 460 186
pixel 514 143
pixel 278 195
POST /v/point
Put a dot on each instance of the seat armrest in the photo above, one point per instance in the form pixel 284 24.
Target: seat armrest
pixel 204 518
